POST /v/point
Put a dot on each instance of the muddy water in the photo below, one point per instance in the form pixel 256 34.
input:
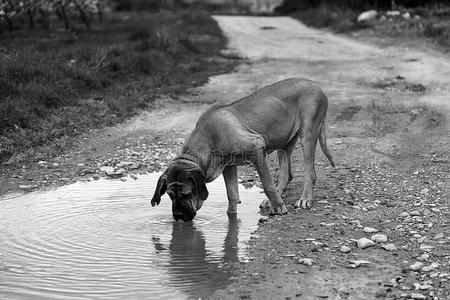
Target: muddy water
pixel 104 240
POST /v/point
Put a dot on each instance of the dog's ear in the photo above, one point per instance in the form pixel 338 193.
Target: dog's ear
pixel 200 183
pixel 161 188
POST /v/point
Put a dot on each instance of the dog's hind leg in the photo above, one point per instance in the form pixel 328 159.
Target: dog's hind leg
pixel 284 158
pixel 309 142
pixel 231 183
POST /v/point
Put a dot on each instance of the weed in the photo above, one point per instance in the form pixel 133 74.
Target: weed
pixel 47 83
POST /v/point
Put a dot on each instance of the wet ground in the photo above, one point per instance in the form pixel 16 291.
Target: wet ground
pixel 103 240
pixel 388 132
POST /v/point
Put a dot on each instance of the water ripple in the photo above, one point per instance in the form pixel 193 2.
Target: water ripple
pixel 104 240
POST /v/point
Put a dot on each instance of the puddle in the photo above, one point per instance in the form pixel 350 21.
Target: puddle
pixel 104 240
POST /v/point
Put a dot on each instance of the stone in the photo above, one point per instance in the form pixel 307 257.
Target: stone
pixel 357 263
pixel 403 215
pixel 389 247
pixel 364 243
pixel 345 249
pixel 25 187
pixel 263 219
pixel 414 213
pixel 306 261
pixel 417 296
pixel 424 191
pixel 107 169
pixel 367 16
pixel 379 238
pixel 424 256
pixel 116 174
pixel 430 267
pixel 439 236
pixel 426 248
pixel 416 266
pixel 369 230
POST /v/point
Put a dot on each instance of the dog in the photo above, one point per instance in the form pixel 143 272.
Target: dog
pixel 244 132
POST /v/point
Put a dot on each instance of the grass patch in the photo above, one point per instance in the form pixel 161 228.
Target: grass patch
pixel 55 85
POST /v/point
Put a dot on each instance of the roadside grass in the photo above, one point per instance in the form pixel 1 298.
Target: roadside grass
pixel 340 19
pixel 55 85
pixel 432 25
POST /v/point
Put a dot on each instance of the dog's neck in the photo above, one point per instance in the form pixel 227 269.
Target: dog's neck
pixel 208 166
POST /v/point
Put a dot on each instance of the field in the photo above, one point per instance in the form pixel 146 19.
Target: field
pixel 57 84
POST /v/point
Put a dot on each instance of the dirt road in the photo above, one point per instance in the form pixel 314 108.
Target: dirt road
pixel 388 131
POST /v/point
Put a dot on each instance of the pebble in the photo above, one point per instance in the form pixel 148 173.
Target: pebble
pixel 389 247
pixel 345 249
pixel 370 230
pixel 306 261
pixel 25 187
pixel 379 238
pixel 263 219
pixel 424 256
pixel 107 169
pixel 414 213
pixel 424 191
pixel 416 266
pixel 424 247
pixel 439 236
pixel 403 215
pixel 364 243
pixel 417 296
pixel 357 263
pixel 430 267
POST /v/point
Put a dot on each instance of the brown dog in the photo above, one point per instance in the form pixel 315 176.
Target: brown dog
pixel 244 132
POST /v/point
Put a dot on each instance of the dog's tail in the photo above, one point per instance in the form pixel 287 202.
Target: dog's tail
pixel 323 143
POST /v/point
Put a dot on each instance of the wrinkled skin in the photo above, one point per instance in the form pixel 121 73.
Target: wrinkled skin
pixel 184 182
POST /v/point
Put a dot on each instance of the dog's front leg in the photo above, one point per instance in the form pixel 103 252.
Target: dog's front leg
pixel 231 183
pixel 277 206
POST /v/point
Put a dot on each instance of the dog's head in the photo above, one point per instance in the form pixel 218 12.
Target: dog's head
pixel 184 182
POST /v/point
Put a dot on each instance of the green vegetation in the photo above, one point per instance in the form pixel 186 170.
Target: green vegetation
pixel 341 14
pixel 57 84
pixel 416 19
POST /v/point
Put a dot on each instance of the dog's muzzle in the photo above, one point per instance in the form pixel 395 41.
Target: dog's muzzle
pixel 185 215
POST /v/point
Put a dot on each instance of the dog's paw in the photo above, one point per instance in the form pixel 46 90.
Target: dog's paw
pixel 278 210
pixel 265 204
pixel 303 203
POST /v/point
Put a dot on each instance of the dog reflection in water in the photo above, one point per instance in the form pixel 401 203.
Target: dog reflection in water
pixel 193 268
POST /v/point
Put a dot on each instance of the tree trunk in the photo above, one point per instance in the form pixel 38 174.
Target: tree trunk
pixel 83 16
pixel 30 17
pixel 64 15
